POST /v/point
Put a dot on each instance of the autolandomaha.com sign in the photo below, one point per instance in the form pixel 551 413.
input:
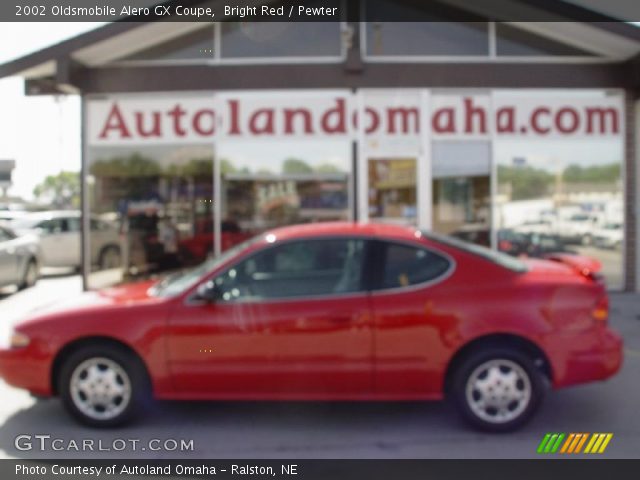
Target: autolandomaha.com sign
pixel 381 114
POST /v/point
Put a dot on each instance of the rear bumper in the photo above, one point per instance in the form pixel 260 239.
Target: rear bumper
pixel 587 357
pixel 19 367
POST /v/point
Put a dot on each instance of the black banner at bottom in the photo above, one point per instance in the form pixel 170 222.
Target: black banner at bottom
pixel 543 469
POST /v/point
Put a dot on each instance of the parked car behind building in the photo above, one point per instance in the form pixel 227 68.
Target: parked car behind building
pixel 59 233
pixel 19 258
pixel 609 236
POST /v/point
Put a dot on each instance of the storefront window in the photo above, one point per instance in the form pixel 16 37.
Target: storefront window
pixel 461 208
pixel 151 209
pixel 513 41
pixel 392 190
pixel 564 195
pixel 280 39
pixel 438 34
pixel 265 185
pixel 461 171
pixel 193 45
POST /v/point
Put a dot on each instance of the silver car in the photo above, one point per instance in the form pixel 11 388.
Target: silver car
pixel 60 240
pixel 19 258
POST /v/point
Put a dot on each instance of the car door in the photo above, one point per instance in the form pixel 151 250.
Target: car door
pixel 60 242
pixel 72 240
pixel 292 320
pixel 409 346
pixel 54 253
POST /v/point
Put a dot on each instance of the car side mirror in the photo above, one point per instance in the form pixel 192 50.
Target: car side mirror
pixel 208 292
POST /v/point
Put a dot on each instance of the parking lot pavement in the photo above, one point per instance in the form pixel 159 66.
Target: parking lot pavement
pixel 325 430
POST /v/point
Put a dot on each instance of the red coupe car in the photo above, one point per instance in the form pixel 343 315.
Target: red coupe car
pixel 332 311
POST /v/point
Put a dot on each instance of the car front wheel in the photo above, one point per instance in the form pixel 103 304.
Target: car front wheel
pixel 30 276
pixel 102 386
pixel 498 389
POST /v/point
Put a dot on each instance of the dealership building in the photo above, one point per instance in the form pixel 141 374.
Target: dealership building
pixel 198 135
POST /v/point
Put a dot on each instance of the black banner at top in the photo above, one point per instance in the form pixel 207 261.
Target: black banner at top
pixel 318 10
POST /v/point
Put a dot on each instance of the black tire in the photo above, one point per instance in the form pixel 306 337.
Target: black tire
pixel 30 275
pixel 129 364
pixel 104 257
pixel 466 395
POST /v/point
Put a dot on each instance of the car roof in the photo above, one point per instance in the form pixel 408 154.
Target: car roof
pixel 327 229
pixel 51 214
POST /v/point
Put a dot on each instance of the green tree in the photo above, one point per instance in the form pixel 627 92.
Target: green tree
pixel 134 165
pixel 608 173
pixel 526 182
pixel 295 165
pixel 62 190
pixel 328 168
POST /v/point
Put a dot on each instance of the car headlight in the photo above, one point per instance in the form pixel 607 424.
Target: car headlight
pixel 18 340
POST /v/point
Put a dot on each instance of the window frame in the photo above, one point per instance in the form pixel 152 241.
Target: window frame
pixel 491 57
pixel 218 60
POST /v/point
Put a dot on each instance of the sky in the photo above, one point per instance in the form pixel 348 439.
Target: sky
pixel 43 133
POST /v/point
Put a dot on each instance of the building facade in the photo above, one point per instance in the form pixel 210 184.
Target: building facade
pixel 198 136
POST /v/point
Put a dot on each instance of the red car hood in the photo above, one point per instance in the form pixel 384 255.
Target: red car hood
pixel 122 295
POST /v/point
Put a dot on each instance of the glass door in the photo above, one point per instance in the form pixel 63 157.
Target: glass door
pixel 392 190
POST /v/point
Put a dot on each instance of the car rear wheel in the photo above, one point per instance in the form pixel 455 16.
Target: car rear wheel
pixel 30 276
pixel 103 386
pixel 498 389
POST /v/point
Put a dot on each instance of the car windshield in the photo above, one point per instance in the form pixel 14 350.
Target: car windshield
pixel 181 281
pixel 493 256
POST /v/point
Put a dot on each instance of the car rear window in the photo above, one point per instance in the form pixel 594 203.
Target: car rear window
pixel 406 265
pixel 492 256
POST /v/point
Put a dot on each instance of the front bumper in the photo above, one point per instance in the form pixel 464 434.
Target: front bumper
pixel 23 368
pixel 590 356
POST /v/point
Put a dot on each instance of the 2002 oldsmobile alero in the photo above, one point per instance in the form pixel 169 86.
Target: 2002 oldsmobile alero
pixel 335 311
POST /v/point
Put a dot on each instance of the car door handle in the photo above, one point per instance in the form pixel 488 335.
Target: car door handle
pixel 341 318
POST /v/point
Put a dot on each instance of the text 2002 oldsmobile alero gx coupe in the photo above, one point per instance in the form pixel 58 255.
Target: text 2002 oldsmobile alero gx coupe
pixel 336 311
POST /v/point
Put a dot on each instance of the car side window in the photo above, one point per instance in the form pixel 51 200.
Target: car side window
pixel 51 226
pixel 73 224
pixel 405 265
pixel 4 235
pixel 296 269
pixel 98 225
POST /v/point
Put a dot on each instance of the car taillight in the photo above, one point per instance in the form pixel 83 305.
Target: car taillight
pixel 592 275
pixel 600 311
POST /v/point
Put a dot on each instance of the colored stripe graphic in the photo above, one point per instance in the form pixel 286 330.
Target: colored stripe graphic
pixel 605 443
pixel 556 443
pixel 543 443
pixel 583 438
pixel 550 443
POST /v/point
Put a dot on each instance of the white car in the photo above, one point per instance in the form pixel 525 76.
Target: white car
pixel 541 226
pixel 60 239
pixel 577 228
pixel 609 236
pixel 11 215
pixel 19 259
